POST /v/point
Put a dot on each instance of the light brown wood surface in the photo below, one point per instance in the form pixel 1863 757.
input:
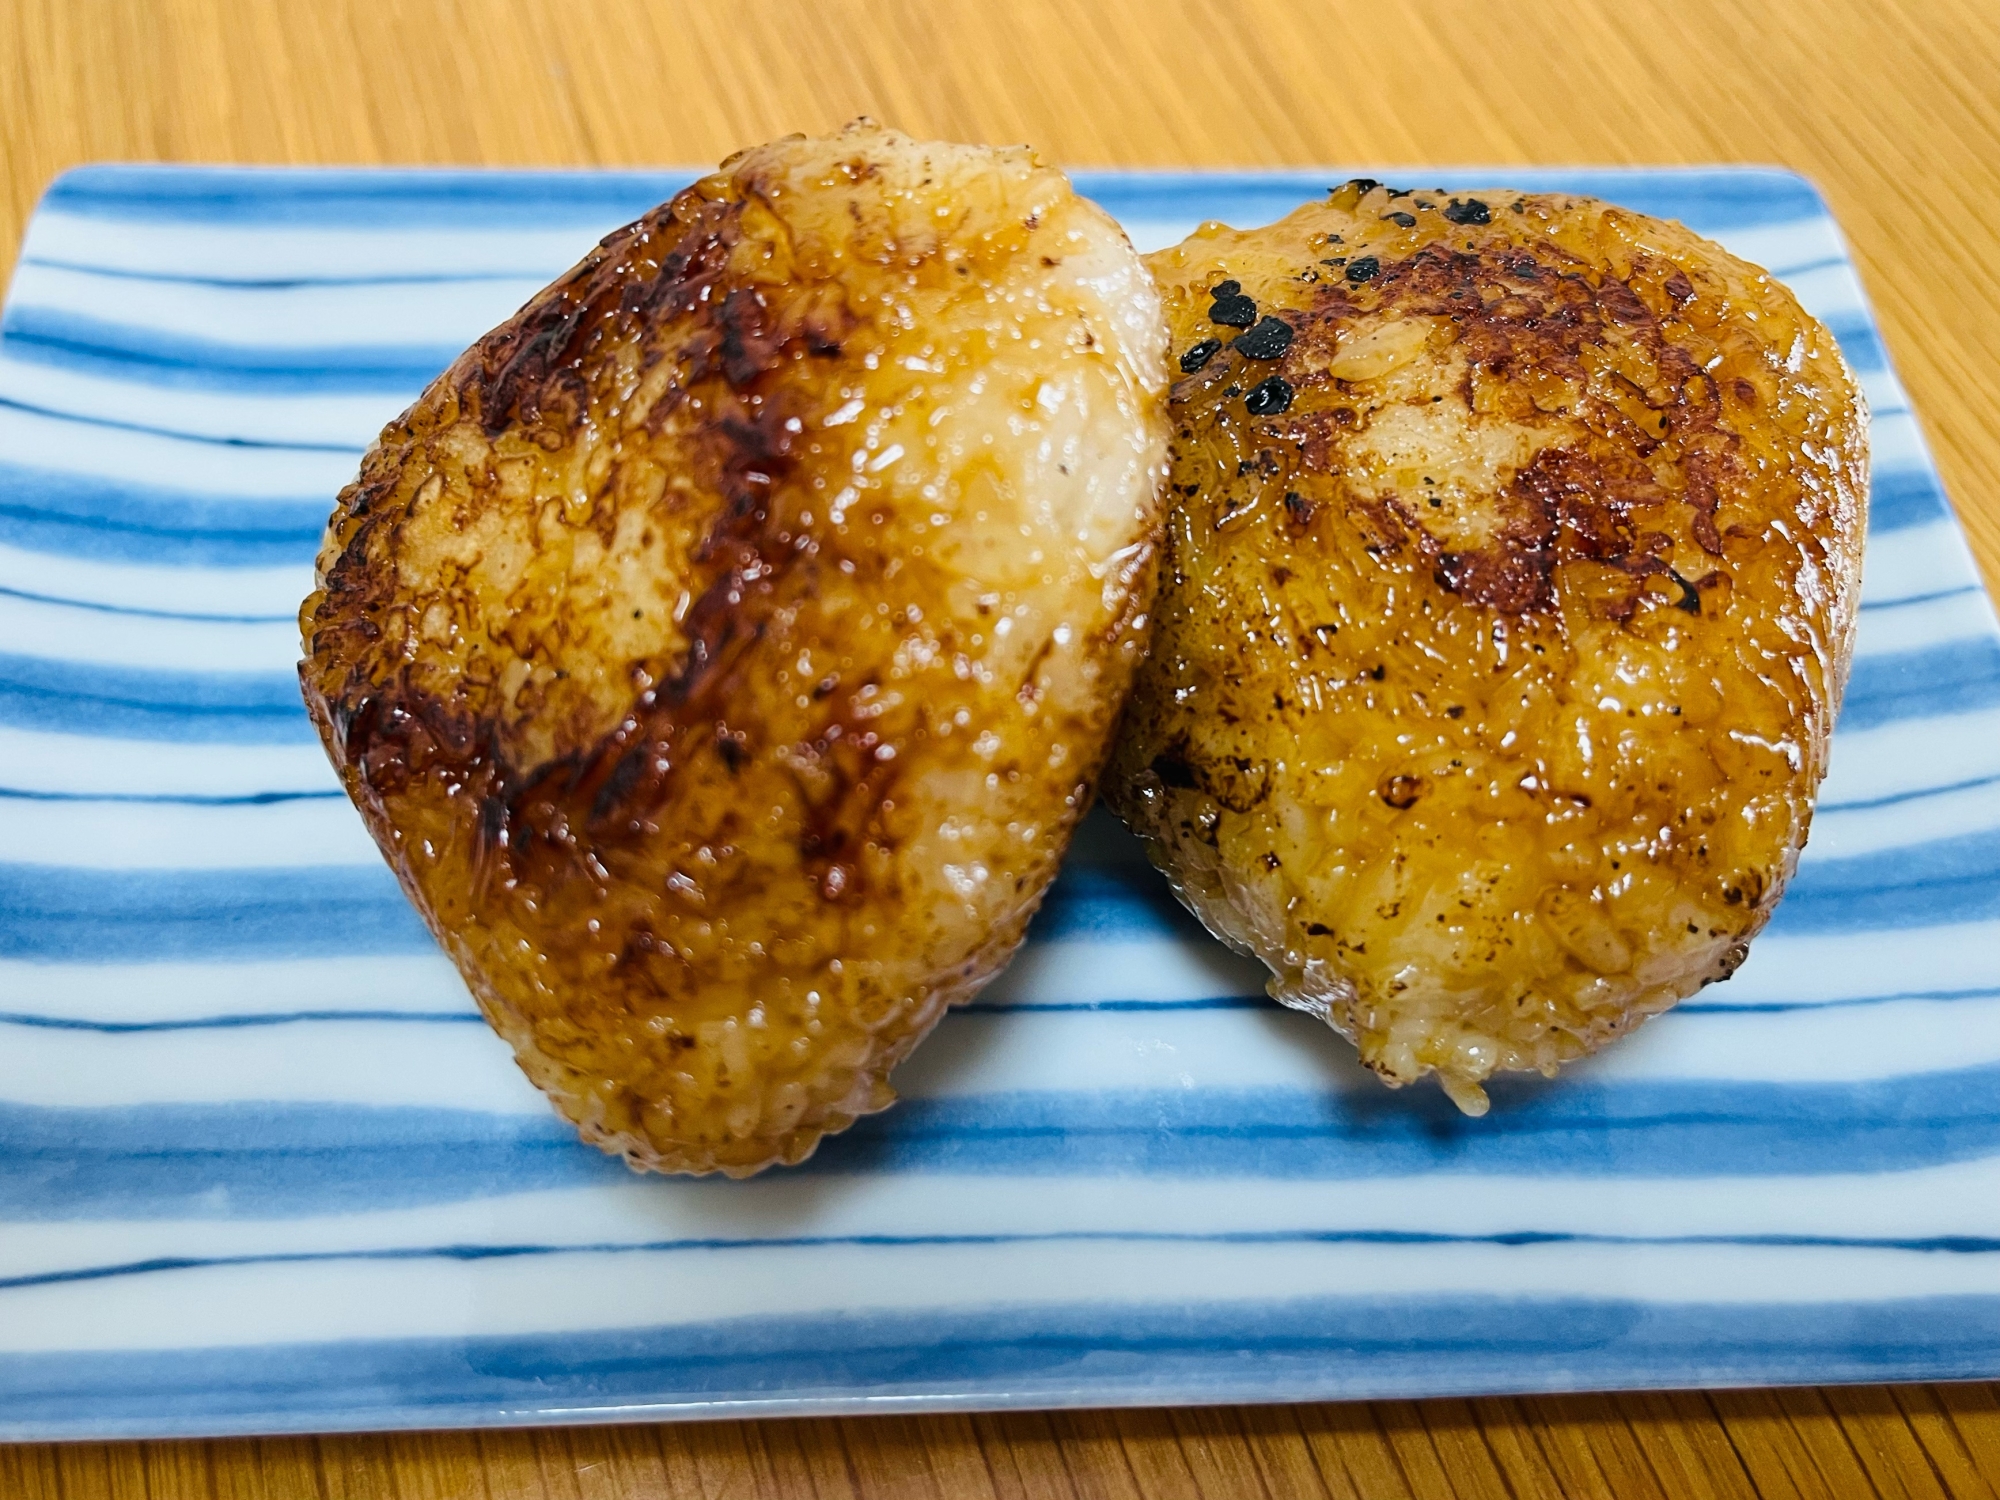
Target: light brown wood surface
pixel 1892 106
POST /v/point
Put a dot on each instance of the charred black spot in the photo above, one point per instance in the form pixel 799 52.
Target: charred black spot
pixel 1467 211
pixel 620 785
pixel 745 348
pixel 1268 398
pixel 733 747
pixel 1401 792
pixel 1199 355
pixel 1233 311
pixel 1268 340
pixel 492 818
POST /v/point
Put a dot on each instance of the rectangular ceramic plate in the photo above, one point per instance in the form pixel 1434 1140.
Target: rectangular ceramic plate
pixel 262 1167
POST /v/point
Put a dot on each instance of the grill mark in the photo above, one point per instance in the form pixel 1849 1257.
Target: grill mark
pixel 1518 311
pixel 638 278
pixel 536 825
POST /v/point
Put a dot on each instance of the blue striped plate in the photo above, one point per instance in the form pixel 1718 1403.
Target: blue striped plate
pixel 262 1167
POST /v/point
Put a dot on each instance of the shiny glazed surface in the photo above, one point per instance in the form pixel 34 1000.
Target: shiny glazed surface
pixel 722 650
pixel 1509 592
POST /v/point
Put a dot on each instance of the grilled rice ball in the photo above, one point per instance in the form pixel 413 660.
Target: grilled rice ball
pixel 1508 598
pixel 722 649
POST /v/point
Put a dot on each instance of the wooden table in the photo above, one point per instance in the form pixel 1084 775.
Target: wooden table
pixel 1892 106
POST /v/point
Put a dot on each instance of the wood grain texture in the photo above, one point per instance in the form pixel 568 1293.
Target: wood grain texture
pixel 1877 100
pixel 1914 1441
